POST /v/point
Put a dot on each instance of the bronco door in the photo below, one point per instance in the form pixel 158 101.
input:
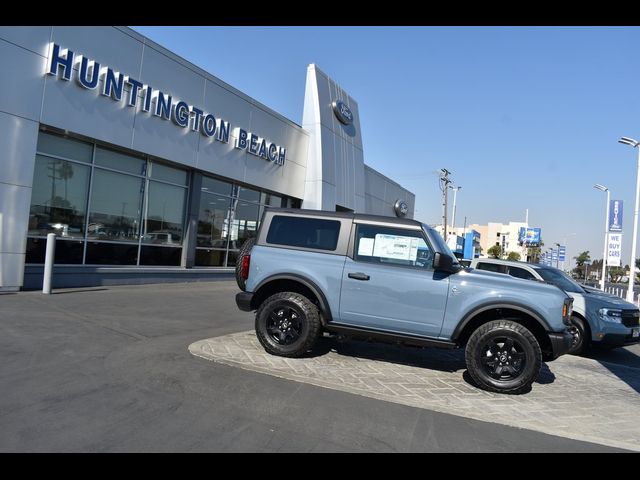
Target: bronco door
pixel 389 283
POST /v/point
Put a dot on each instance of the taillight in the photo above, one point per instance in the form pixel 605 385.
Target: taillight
pixel 246 260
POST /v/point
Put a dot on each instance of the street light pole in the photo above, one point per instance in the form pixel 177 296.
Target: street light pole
pixel 444 186
pixel 632 263
pixel 602 188
pixel 558 256
pixel 455 196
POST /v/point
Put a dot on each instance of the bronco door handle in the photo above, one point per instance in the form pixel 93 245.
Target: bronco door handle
pixel 358 276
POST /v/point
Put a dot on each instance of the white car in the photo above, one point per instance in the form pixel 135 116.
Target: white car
pixel 598 318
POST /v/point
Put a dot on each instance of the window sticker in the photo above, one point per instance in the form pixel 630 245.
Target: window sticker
pixel 395 247
pixel 365 248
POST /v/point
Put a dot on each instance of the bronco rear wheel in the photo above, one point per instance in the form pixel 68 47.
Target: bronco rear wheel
pixel 503 356
pixel 288 324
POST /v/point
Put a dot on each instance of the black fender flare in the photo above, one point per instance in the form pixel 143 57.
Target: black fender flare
pixel 492 306
pixel 317 291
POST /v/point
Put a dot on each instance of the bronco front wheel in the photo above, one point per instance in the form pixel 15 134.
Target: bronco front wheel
pixel 503 356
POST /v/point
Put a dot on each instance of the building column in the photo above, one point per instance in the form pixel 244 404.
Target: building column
pixel 17 158
pixel 193 211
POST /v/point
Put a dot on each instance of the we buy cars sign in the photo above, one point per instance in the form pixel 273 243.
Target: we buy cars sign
pixel 614 249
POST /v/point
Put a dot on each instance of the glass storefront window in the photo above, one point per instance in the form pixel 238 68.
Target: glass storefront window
pixel 128 209
pixel 208 257
pixel 270 199
pixel 58 198
pixel 244 222
pixel 103 253
pixel 248 195
pixel 150 255
pixel 65 147
pixel 115 216
pixel 211 185
pixel 165 214
pixel 168 174
pixel 213 221
pixel 67 251
pixel 120 161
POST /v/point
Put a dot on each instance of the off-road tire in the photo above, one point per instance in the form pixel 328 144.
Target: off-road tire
pixel 512 343
pixel 244 250
pixel 580 342
pixel 301 320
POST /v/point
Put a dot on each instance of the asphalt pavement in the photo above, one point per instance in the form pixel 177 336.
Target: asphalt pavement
pixel 108 370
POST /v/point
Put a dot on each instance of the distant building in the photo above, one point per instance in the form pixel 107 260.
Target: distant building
pixel 463 242
pixel 505 235
pixel 472 247
pixel 484 237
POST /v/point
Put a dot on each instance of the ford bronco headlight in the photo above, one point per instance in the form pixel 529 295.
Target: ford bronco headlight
pixel 610 315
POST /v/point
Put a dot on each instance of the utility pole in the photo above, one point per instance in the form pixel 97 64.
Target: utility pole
pixel 444 186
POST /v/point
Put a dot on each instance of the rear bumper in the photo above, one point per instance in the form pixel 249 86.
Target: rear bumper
pixel 243 301
pixel 560 343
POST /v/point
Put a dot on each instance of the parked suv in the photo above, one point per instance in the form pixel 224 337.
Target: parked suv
pixel 395 280
pixel 598 318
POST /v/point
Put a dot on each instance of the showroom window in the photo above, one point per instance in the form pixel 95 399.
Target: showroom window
pixel 229 214
pixel 111 207
pixel 106 207
pixel 59 198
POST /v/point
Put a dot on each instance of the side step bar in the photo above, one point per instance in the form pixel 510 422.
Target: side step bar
pixel 387 337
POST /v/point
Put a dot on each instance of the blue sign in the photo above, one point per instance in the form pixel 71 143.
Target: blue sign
pixel 530 236
pixel 562 251
pixel 615 216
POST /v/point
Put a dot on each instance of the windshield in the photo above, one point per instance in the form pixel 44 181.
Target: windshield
pixel 560 279
pixel 440 245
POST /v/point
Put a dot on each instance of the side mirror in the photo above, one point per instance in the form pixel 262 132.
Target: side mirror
pixel 442 262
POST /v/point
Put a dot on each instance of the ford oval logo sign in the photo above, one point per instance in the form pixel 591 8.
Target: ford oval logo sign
pixel 342 112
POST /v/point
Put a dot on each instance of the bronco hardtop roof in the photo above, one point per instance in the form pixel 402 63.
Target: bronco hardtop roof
pixel 351 215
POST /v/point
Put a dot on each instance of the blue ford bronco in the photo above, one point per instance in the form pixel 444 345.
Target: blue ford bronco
pixel 312 272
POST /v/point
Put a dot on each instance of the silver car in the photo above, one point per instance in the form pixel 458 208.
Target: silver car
pixel 598 318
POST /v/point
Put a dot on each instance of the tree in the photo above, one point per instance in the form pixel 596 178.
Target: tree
pixel 582 258
pixel 533 252
pixel 513 256
pixel 495 251
pixel 581 262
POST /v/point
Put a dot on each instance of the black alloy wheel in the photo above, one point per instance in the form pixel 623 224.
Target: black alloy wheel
pixel 503 358
pixel 284 325
pixel 288 324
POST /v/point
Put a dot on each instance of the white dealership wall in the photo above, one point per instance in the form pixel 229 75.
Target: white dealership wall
pixel 324 163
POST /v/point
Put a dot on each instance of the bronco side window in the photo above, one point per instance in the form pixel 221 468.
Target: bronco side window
pixel 394 246
pixel 316 233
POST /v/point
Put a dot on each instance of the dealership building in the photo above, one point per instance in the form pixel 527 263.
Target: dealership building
pixel 149 169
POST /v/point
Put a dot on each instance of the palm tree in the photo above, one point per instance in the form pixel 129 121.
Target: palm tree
pixel 581 261
pixel 66 172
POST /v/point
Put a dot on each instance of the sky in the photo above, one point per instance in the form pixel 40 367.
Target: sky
pixel 523 117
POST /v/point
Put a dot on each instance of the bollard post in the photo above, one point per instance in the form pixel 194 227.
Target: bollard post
pixel 48 263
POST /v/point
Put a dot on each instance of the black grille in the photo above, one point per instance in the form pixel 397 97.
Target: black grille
pixel 630 318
